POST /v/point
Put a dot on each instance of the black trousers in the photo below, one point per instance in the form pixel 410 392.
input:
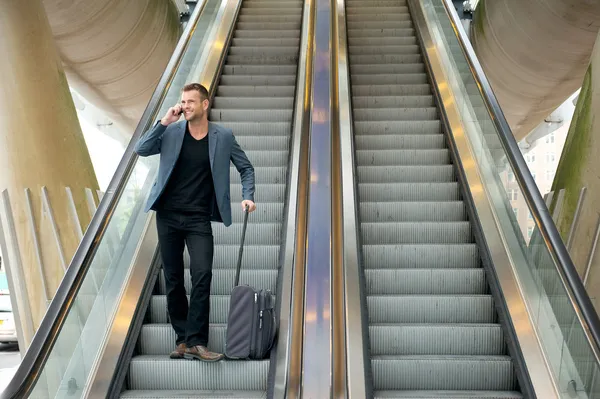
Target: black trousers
pixel 176 229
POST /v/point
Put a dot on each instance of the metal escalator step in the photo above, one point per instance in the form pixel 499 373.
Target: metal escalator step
pixel 257 257
pixel 437 339
pixel 263 50
pixel 159 339
pixel 389 79
pixel 359 59
pixel 431 309
pixel 270 5
pixel 391 90
pixel 396 114
pixel 405 141
pixel 265 193
pixel 448 211
pixel 359 17
pixel 266 143
pixel 443 372
pixel 381 41
pixel 282 59
pixel 266 34
pixel 281 17
pixel 262 175
pixel 266 42
pixel 250 130
pixel 254 102
pixel 426 281
pixel 219 309
pixel 257 233
pixel 383 49
pixel 375 3
pixel 240 115
pixel 258 80
pixel 267 158
pixel 402 157
pixel 447 395
pixel 406 174
pixel 260 69
pixel 364 33
pixel 223 279
pixel 393 101
pixel 387 68
pixel 266 212
pixel 160 372
pixel 397 127
pixel 377 10
pixel 386 192
pixel 182 394
pixel 416 233
pixel 255 91
pixel 268 25
pixel 370 24
pixel 420 256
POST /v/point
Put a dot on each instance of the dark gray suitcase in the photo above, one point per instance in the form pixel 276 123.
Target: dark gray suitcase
pixel 251 323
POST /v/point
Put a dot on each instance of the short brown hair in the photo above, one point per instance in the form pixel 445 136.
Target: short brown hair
pixel 199 88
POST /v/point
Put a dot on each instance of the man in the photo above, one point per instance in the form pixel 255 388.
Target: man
pixel 192 188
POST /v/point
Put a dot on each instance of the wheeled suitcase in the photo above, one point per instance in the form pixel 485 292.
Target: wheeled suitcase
pixel 251 323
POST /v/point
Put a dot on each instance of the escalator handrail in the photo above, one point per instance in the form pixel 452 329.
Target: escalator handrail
pixel 531 193
pixel 41 346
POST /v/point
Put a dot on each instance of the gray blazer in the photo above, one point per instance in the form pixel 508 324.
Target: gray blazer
pixel 223 147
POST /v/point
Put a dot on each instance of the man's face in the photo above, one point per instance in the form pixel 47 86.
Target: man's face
pixel 194 108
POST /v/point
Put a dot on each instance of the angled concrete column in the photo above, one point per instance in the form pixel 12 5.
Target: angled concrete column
pixel 41 144
pixel 579 166
pixel 534 53
pixel 114 51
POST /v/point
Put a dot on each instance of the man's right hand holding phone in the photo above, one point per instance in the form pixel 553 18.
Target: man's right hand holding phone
pixel 172 115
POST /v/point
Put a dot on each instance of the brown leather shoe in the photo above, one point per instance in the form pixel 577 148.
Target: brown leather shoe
pixel 178 352
pixel 199 352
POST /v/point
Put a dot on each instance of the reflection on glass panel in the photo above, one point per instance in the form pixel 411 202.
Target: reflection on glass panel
pixel 66 372
pixel 560 331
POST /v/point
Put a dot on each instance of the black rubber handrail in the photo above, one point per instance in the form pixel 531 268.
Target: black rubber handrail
pixel 530 191
pixel 47 334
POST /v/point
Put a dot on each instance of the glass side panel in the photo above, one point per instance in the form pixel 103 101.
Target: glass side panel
pixel 66 372
pixel 561 333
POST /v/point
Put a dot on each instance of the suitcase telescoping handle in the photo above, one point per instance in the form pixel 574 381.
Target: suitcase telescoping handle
pixel 239 261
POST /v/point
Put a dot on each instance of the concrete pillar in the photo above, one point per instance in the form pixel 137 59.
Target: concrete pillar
pixel 41 144
pixel 114 51
pixel 534 53
pixel 579 166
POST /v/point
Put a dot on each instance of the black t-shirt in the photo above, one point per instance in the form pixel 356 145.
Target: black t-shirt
pixel 190 187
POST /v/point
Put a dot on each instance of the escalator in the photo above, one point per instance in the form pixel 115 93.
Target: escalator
pixel 456 301
pixel 112 338
pixel 254 98
pixel 432 319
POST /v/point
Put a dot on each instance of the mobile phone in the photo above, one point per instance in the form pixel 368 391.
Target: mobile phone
pixel 180 112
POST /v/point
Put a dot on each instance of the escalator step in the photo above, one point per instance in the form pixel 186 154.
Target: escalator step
pixel 265 193
pixel 381 41
pixel 393 101
pixel 257 233
pixel 255 91
pixel 382 49
pixel 371 212
pixel 425 281
pixel 266 34
pixel 159 339
pixel 398 127
pixel 376 10
pixel 437 339
pixel 253 129
pixel 386 192
pixel 447 395
pixel 405 174
pixel 240 115
pixel 416 233
pixel 391 90
pixel 180 394
pixel 268 175
pixel 443 372
pixel 258 80
pixel 364 33
pixel 219 308
pixel 222 280
pixel 402 157
pixel 391 114
pixel 399 142
pixel 371 24
pixel 431 309
pixel 420 256
pixel 160 372
pixel 254 102
pixel 378 17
